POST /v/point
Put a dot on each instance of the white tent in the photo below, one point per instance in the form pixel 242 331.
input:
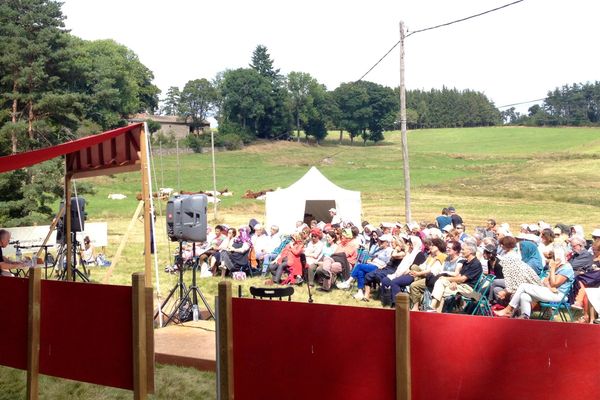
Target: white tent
pixel 311 197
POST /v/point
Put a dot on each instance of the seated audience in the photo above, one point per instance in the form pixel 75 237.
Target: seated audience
pixel 553 288
pixel 431 268
pixel 463 283
pixel 590 279
pixel 400 279
pixel 580 258
pixel 235 256
pixel 531 255
pixel 289 261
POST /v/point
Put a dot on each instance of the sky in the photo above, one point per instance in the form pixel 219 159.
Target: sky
pixel 513 55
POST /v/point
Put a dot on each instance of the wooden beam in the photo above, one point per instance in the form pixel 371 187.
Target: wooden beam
pixel 140 379
pixel 146 199
pixel 403 373
pixel 225 342
pixel 67 237
pixel 110 169
pixel 150 338
pixel 33 343
pixel 117 256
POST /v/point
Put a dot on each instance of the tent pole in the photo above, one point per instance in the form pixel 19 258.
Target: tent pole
pixel 67 235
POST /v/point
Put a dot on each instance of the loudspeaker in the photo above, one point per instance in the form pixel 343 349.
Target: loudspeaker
pixel 193 217
pixel 77 223
pixel 186 218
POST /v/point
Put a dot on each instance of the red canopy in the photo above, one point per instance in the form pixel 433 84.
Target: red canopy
pixel 117 150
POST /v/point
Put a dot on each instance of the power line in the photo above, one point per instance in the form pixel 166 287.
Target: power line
pixel 466 18
pixel 435 27
pixel 523 102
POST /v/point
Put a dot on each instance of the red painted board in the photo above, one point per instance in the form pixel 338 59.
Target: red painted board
pixel 86 333
pixel 14 315
pixel 288 350
pixel 468 357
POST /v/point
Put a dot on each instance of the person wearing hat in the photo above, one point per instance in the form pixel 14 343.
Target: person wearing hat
pixel 335 218
pixel 378 260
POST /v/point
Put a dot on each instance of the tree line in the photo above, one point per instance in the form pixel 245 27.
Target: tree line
pixel 570 105
pixel 260 102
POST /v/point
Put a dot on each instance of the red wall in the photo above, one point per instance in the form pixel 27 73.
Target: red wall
pixel 14 315
pixel 86 333
pixel 290 351
pixel 467 357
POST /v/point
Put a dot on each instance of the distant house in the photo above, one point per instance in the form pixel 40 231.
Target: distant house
pixel 169 124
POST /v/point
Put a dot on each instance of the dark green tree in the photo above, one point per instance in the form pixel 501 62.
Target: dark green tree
pixel 171 101
pixel 197 102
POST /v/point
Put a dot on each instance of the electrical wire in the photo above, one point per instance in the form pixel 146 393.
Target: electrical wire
pixel 523 102
pixel 436 27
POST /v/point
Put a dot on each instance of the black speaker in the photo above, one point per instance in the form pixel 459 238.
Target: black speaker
pixel 193 217
pixel 77 223
pixel 186 218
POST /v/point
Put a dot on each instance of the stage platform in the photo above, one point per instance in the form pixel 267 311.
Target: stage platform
pixel 192 344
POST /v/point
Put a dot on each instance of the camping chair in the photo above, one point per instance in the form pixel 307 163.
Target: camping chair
pixel 271 293
pixel 557 307
pixel 452 302
pixel 363 255
pixel 478 300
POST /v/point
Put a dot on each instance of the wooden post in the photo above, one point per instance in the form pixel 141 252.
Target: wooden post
pixel 403 389
pixel 146 199
pixel 150 338
pixel 406 168
pixel 140 379
pixel 214 171
pixel 33 344
pixel 224 343
pixel 67 238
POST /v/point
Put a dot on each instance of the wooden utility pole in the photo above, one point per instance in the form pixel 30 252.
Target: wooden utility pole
pixel 214 171
pixel 403 130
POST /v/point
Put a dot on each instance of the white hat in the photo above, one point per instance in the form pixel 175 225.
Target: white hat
pixel 370 227
pixel 435 233
pixel 557 231
pixel 524 226
pixel 333 210
pixel 385 238
pixel 544 225
pixel 521 236
pixel 596 233
pixel 413 225
pixel 533 228
pixel 448 228
pixel 387 225
pixel 505 226
pixel 258 226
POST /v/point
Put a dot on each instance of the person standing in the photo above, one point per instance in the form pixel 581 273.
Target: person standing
pixel 443 220
pixel 456 219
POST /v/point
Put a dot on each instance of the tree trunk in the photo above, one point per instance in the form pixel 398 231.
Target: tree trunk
pixel 30 120
pixel 351 140
pixel 298 126
pixel 13 134
pixel 341 134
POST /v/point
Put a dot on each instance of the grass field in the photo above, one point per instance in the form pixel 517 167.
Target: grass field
pixel 514 175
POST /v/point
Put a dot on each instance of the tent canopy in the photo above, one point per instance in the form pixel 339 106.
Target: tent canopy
pixel 311 196
pixel 106 153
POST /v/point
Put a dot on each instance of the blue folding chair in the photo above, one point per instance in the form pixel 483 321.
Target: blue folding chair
pixel 557 307
pixel 479 302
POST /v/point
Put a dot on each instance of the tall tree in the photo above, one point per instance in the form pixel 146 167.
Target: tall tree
pixel 299 85
pixel 262 63
pixel 171 101
pixel 197 102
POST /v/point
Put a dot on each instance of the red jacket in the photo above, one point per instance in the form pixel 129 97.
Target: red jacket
pixel 293 251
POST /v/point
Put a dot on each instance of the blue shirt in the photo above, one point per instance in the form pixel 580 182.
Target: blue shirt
pixel 443 220
pixel 565 270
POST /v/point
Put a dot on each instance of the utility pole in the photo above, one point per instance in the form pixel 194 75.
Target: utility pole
pixel 214 171
pixel 403 129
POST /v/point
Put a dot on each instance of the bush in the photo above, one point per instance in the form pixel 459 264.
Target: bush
pixel 230 141
pixel 166 140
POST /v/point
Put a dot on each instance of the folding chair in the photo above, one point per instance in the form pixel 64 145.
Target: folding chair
pixel 478 299
pixel 363 256
pixel 557 307
pixel 271 293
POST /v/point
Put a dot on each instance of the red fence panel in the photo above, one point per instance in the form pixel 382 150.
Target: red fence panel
pixel 288 350
pixel 14 316
pixel 86 333
pixel 467 357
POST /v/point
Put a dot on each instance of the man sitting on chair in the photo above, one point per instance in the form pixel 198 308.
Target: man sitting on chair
pixel 5 263
pixel 463 283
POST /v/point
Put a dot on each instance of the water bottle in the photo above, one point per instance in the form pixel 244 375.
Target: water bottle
pixel 18 254
pixel 195 312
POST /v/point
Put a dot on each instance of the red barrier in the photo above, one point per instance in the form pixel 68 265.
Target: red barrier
pixel 287 350
pixel 466 357
pixel 14 311
pixel 86 333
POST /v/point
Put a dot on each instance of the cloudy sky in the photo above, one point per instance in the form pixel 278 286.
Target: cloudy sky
pixel 513 55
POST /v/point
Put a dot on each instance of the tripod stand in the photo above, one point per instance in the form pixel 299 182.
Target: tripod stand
pixel 62 254
pixel 183 306
pixel 45 247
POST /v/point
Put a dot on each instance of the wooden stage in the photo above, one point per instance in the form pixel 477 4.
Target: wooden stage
pixel 192 344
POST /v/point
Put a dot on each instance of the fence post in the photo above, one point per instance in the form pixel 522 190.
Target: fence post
pixel 224 343
pixel 403 389
pixel 33 345
pixel 140 367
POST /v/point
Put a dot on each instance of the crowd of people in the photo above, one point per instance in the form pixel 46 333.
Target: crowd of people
pixel 433 262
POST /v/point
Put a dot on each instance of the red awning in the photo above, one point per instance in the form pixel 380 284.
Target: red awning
pixel 109 152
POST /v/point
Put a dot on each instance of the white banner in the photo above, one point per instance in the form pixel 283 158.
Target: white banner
pixel 35 235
